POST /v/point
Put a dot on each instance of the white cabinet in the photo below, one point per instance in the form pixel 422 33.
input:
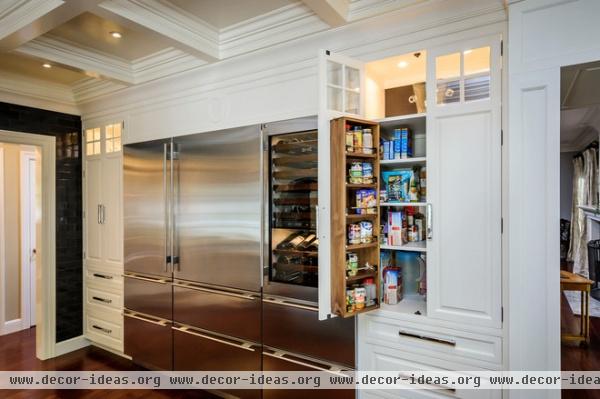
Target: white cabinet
pixel 103 235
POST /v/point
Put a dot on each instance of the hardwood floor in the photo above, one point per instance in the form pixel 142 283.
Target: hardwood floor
pixel 17 352
pixel 574 357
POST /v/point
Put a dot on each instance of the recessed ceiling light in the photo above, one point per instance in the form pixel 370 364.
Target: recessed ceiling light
pixel 46 65
pixel 402 64
pixel 116 35
pixel 467 52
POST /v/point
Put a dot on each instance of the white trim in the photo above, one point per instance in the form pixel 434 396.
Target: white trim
pixel 25 233
pixel 70 345
pixel 46 305
pixel 11 326
pixel 21 13
pixel 2 244
pixel 163 63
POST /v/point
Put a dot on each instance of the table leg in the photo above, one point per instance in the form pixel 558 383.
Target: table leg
pixel 582 319
pixel 587 315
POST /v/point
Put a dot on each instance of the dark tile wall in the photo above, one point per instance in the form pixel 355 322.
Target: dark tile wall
pixel 69 277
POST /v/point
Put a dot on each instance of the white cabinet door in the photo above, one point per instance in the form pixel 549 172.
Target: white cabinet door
pixel 93 213
pixel 112 216
pixel 464 183
pixel 341 83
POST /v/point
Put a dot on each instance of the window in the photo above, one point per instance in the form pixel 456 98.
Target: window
pixel 92 141
pixel 113 137
pixel 463 76
pixel 343 88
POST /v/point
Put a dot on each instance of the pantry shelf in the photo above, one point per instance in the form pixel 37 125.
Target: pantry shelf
pixel 363 310
pixel 403 204
pixel 361 185
pixel 356 218
pixel 401 118
pixel 414 304
pixel 362 275
pixel 419 246
pixel 403 162
pixel 361 246
pixel 354 155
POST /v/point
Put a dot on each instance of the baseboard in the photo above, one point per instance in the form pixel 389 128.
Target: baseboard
pixel 70 345
pixel 111 350
pixel 11 326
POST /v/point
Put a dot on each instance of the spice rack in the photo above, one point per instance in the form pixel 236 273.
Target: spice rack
pixel 346 215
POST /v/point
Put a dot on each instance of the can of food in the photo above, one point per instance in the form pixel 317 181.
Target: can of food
pixel 358 140
pixel 354 234
pixel 367 141
pixel 352 264
pixel 350 301
pixel 360 294
pixel 349 141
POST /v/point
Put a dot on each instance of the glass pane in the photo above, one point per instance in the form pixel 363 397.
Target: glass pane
pixel 352 79
pixel 97 134
pixel 109 131
pixel 96 148
pixel 89 135
pixel 334 99
pixel 447 74
pixel 90 149
pixel 477 73
pixel 109 146
pixel 117 130
pixel 117 144
pixel 334 73
pixel 352 102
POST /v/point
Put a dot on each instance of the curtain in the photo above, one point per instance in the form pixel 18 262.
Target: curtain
pixel 585 192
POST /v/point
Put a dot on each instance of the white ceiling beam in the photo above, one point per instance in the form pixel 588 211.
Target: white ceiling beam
pixel 333 12
pixel 91 62
pixel 24 20
pixel 186 32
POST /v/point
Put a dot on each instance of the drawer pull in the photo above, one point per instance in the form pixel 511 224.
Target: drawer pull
pixel 435 387
pixel 426 338
pixel 104 330
pixel 242 345
pixel 152 320
pixel 290 304
pixel 215 291
pixel 97 298
pixel 151 279
pixel 104 276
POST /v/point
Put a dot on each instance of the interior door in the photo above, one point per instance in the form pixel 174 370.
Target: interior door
pixel 218 208
pixel 112 176
pixel 93 189
pixel 145 214
pixel 341 93
pixel 464 182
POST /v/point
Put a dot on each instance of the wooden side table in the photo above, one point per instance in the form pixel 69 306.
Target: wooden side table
pixel 575 282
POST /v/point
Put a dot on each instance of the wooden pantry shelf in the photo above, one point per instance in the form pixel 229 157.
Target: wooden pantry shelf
pixel 362 274
pixel 352 218
pixel 354 155
pixel 361 185
pixel 354 247
pixel 346 314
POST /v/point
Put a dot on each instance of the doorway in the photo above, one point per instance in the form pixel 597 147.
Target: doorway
pixel 30 219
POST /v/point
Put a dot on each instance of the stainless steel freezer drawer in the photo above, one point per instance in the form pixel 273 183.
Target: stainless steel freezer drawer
pixel 148 340
pixel 275 360
pixel 149 295
pixel 226 311
pixel 296 328
pixel 200 350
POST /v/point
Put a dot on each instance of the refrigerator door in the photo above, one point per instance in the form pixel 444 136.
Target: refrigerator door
pixel 146 183
pixel 218 211
pixel 148 340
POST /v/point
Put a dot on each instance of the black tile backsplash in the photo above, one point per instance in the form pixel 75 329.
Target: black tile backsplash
pixel 69 265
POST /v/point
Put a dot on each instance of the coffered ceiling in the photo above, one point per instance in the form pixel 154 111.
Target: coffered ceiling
pixel 157 37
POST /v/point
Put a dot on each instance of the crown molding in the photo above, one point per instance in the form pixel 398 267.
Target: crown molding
pixel 37 93
pixel 163 17
pixel 92 62
pixel 278 26
pixel 163 63
pixel 17 14
pixel 360 9
pixel 89 89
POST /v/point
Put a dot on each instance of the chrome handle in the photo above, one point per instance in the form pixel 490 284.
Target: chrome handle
pixel 158 322
pixel 97 298
pixel 173 199
pixel 104 276
pixel 153 280
pixel 103 208
pixel 317 221
pixel 166 202
pixel 290 304
pixel 99 212
pixel 189 330
pixel 437 387
pixel 426 338
pixel 277 354
pixel 429 218
pixel 104 330
pixel 214 291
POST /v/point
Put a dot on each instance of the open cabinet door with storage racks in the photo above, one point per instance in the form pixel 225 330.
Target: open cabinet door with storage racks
pixel 464 182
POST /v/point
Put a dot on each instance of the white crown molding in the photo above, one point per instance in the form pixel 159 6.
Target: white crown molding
pixel 170 21
pixel 360 9
pixel 38 93
pixel 278 26
pixel 89 89
pixel 17 14
pixel 67 53
pixel 163 63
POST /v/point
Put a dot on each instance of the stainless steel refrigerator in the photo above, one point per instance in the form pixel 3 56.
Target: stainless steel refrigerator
pixel 193 251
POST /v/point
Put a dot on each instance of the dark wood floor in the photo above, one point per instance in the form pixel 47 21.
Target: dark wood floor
pixel 17 352
pixel 574 357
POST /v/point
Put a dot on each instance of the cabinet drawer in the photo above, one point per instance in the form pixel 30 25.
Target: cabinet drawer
pixel 105 332
pixel 103 278
pixel 477 349
pixel 103 298
pixel 383 358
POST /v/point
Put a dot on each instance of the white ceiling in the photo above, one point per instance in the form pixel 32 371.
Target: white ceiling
pixel 580 106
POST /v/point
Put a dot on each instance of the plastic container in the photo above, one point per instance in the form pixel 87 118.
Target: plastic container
pixel 419 145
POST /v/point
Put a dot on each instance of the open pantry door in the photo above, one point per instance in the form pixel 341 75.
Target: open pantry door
pixel 341 88
pixel 464 149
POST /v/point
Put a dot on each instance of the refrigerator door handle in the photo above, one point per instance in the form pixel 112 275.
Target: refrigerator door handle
pixel 429 222
pixel 166 202
pixel 239 344
pixel 174 189
pixel 195 287
pixel 139 316
pixel 290 304
pixel 151 279
pixel 288 357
